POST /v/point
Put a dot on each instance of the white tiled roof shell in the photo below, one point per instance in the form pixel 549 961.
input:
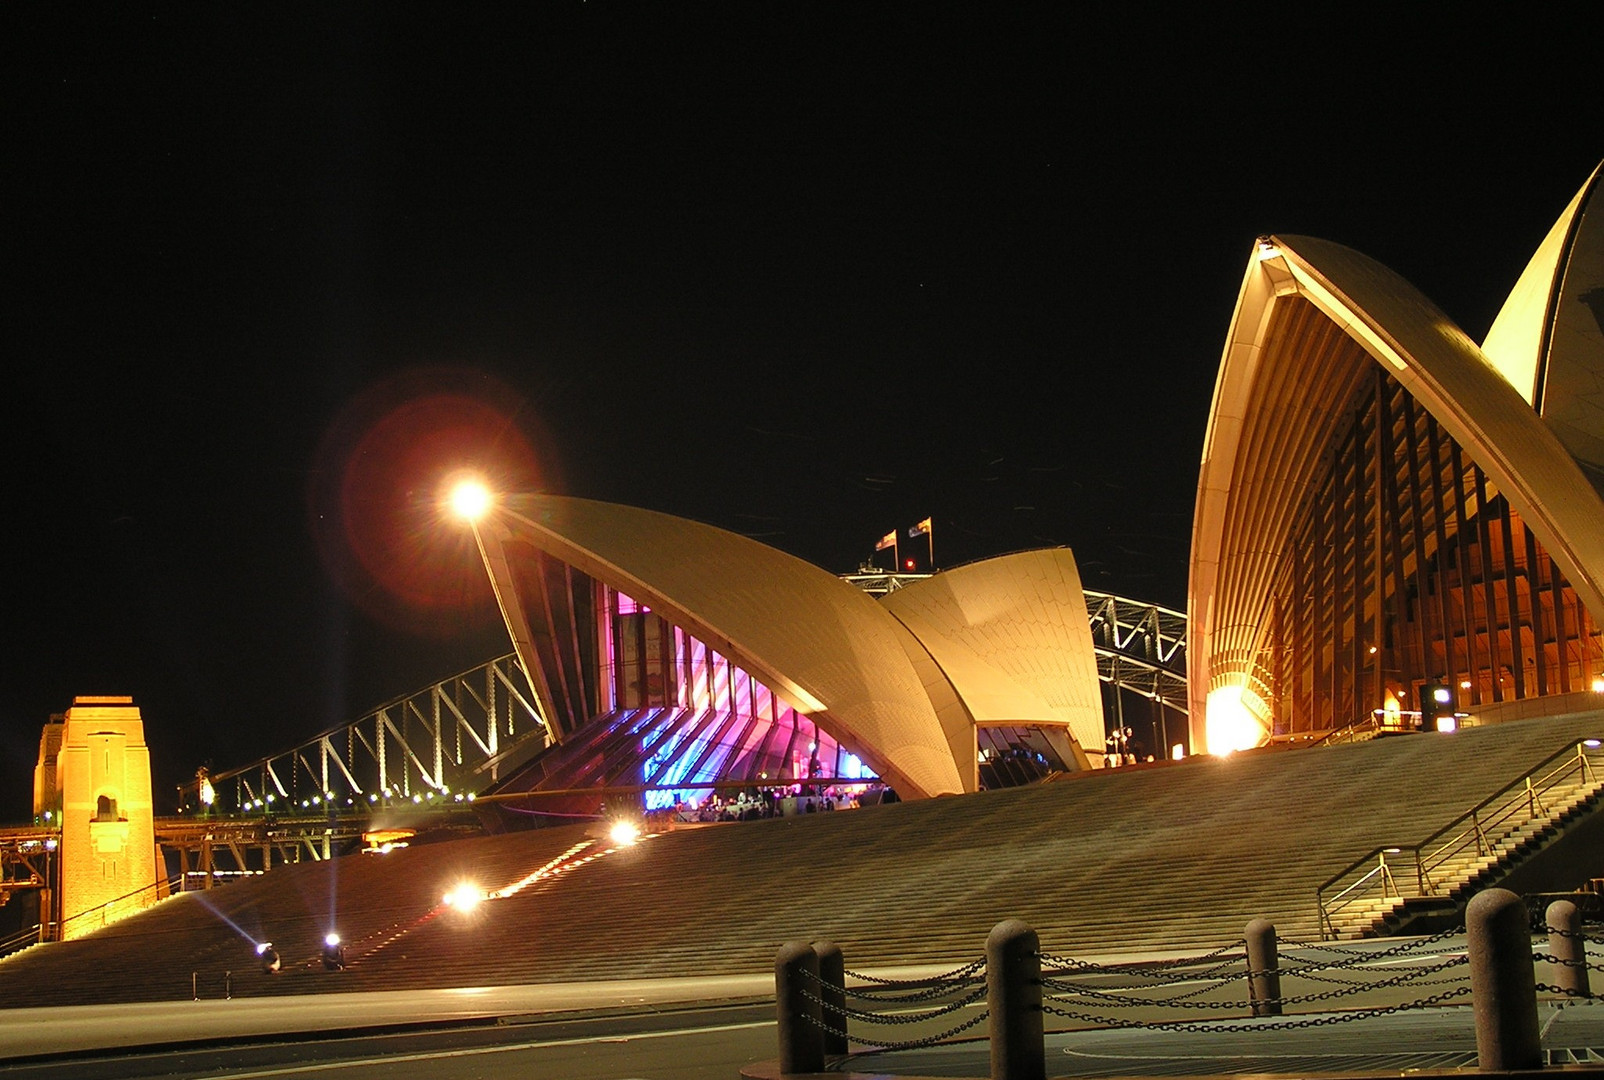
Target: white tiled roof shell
pixel 1012 636
pixel 1260 458
pixel 824 645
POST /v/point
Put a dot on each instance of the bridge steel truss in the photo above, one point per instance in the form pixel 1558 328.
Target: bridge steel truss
pixel 445 742
pixel 1141 653
pixel 437 745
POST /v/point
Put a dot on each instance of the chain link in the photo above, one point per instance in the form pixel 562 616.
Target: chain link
pixel 889 996
pixel 1565 991
pixel 1358 957
pixel 1273 1025
pixel 1575 935
pixel 908 984
pixel 865 1017
pixel 1559 961
pixel 1072 990
pixel 1142 968
pixel 931 994
pixel 911 1044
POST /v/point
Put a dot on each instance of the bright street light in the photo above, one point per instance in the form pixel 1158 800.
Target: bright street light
pixel 470 499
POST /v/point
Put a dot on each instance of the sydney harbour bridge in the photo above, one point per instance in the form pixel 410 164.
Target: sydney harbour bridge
pixel 439 746
pixel 420 762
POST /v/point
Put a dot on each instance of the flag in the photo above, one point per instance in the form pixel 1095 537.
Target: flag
pixel 920 529
pixel 888 540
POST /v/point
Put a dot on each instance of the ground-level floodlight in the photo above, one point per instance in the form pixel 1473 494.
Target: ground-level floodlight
pixel 269 957
pixel 465 897
pixel 333 953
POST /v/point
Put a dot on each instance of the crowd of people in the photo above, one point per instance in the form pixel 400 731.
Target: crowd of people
pixel 751 804
pixel 1122 747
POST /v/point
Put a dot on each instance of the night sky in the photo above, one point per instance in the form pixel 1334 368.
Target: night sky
pixel 808 272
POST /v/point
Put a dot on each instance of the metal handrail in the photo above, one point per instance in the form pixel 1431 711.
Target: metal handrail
pixel 172 885
pixel 1527 793
pixel 1486 831
pixel 1382 869
pixel 22 939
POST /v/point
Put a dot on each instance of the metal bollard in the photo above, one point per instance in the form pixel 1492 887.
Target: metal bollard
pixel 194 986
pixel 1013 996
pixel 228 985
pixel 796 1003
pixel 1502 986
pixel 833 992
pixel 1264 976
pixel 1566 943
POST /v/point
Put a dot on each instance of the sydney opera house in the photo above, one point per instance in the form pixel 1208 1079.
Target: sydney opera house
pixel 667 652
pixel 1386 513
pixel 1386 509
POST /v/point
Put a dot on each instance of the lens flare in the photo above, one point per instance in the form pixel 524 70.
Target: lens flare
pixel 464 897
pixel 386 505
pixel 469 498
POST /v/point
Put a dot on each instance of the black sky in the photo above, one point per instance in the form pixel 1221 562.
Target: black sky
pixel 809 272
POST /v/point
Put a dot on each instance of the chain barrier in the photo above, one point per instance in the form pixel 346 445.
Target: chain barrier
pixel 1362 956
pixel 1402 979
pixel 911 1044
pixel 866 1017
pixel 909 984
pixel 1559 961
pixel 1214 971
pixel 1574 935
pixel 1565 991
pixel 1145 968
pixel 931 994
pixel 1270 1025
pixel 1362 983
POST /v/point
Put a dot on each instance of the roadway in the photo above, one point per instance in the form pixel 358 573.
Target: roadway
pixel 694 1043
pixel 699 1029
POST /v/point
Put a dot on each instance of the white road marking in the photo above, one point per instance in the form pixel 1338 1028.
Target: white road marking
pixel 388 1059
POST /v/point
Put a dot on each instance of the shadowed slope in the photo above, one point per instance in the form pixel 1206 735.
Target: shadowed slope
pixel 1168 856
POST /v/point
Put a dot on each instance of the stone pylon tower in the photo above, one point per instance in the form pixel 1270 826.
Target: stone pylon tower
pixel 98 787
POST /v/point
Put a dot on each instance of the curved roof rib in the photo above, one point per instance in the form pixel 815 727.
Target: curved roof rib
pixel 1012 636
pixel 825 646
pixel 1548 339
pixel 1287 368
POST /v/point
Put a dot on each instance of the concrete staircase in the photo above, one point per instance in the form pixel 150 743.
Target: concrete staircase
pixel 1426 886
pixel 1163 857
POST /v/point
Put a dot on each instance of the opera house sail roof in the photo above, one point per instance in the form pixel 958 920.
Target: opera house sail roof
pixel 1382 510
pixel 678 651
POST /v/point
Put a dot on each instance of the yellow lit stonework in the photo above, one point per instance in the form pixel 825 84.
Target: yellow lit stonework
pixel 99 781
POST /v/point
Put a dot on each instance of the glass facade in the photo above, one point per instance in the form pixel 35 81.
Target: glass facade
pixel 1408 568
